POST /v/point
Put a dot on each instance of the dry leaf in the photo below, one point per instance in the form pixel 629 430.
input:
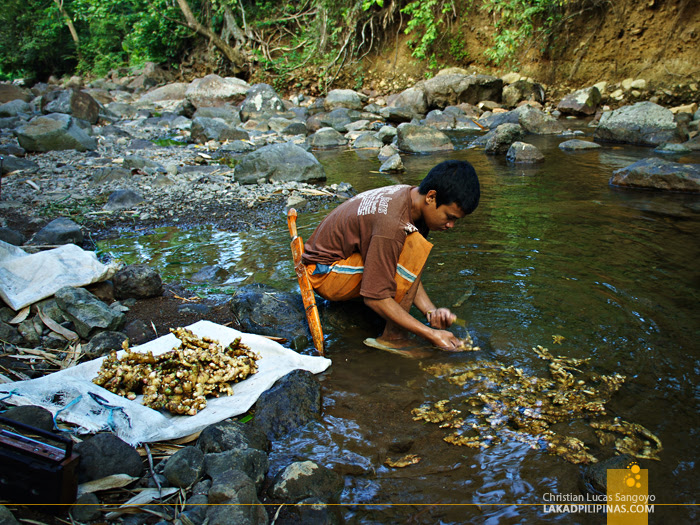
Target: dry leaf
pixel 114 481
pixel 21 316
pixel 144 497
pixel 55 327
pixel 409 459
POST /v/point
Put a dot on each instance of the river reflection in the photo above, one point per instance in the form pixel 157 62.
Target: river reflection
pixel 551 250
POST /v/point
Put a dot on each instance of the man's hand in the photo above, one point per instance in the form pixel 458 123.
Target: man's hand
pixel 441 318
pixel 446 341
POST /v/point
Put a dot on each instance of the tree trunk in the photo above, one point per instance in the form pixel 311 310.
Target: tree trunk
pixel 233 55
pixel 69 22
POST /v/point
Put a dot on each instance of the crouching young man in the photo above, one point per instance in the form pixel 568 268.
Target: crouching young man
pixel 375 246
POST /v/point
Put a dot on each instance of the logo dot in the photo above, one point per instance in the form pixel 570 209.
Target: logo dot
pixel 635 469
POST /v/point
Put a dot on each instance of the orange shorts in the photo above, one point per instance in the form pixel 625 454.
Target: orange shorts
pixel 344 278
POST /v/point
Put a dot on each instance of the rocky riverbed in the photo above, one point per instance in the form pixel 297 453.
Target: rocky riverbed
pixel 126 154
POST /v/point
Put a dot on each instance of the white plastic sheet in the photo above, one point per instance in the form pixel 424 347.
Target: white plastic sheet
pixel 72 396
pixel 28 278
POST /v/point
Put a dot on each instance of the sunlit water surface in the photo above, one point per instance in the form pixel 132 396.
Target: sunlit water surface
pixel 551 250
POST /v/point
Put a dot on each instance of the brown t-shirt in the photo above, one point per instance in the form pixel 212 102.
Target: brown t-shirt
pixel 374 224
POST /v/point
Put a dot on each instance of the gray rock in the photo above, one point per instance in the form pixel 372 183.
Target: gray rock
pixel 35 416
pixel 643 123
pixel 87 313
pixel 213 90
pixel 252 461
pixel 386 134
pixel 595 476
pixel 521 152
pixel 439 119
pixel 228 113
pixel 10 92
pixel 338 119
pixel 313 510
pixel 77 104
pixel 387 152
pixel 103 343
pixel 58 231
pixel 15 108
pixel 105 454
pixel 306 479
pixel 413 138
pixel 10 122
pixel 295 128
pixel 392 164
pixel 292 402
pixel 522 90
pixel 367 141
pixel 11 236
pixel 171 91
pixel 52 132
pixel 503 136
pixel 578 144
pixel 6 516
pixel 452 89
pixel 538 122
pixel 398 115
pixel 123 200
pixel 583 102
pixel 343 98
pixel 86 508
pixel 110 174
pixel 205 129
pixel 138 281
pixel 279 163
pixel 11 163
pixel 659 174
pixel 231 435
pixel 672 149
pixel 327 138
pixel 236 496
pixel 261 101
pixel 412 100
pixel 136 162
pixel 211 274
pixel 9 333
pixel 493 120
pixel 29 333
pixel 184 468
pixel 11 149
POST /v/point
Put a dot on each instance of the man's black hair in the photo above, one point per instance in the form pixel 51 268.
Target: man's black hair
pixel 453 181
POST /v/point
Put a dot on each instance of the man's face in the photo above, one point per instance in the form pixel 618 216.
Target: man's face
pixel 440 218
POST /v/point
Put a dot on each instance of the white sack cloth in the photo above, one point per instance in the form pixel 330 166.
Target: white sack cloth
pixel 26 279
pixel 72 397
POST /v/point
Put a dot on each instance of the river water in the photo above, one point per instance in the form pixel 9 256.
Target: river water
pixel 551 250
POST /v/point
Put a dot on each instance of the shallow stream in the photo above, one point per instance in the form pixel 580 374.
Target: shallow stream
pixel 551 250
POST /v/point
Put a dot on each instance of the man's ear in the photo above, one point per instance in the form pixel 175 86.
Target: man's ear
pixel 431 196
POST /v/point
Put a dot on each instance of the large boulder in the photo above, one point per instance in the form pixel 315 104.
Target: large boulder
pixel 327 138
pixel 412 99
pixel 88 314
pixel 262 101
pixel 279 163
pixel 536 121
pixel 413 138
pixel 643 123
pixel 523 153
pixel 56 131
pixel 581 103
pixel 659 174
pixel 343 98
pixel 9 92
pixel 500 140
pixel 205 129
pixel 263 310
pixel 522 90
pixel 15 108
pixel 71 102
pixel 173 91
pixel 214 90
pixel 452 89
pixel 59 231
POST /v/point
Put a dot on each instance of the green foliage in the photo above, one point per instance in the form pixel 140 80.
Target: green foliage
pixel 423 20
pixel 34 40
pixel 74 209
pixel 520 21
